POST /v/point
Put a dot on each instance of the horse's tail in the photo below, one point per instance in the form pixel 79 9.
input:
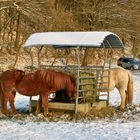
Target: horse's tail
pixel 130 89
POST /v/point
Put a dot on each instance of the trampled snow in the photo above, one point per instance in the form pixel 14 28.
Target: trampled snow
pixel 104 129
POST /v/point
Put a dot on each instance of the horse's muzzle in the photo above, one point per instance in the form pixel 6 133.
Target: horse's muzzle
pixel 72 99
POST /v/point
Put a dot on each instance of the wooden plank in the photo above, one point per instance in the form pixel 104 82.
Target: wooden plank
pixel 84 107
pixel 61 106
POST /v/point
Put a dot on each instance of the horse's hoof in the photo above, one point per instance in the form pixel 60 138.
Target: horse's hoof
pixel 3 116
pixel 6 114
pixel 46 114
pixel 14 113
pixel 37 112
pixel 17 116
pixel 40 115
pixel 121 108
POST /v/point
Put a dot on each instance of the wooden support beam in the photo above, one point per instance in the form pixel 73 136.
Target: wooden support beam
pixel 83 107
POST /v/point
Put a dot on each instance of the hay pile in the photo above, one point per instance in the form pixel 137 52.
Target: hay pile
pixel 108 113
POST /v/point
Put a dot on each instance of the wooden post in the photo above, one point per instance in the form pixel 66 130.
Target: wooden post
pixel 38 55
pixel 32 61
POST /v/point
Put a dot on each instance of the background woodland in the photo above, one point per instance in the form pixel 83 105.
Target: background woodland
pixel 19 19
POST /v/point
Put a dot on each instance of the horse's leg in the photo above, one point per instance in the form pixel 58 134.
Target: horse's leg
pixel 123 98
pixel 45 103
pixel 39 105
pixel 11 101
pixel 126 100
pixel 1 97
pixel 0 101
pixel 5 100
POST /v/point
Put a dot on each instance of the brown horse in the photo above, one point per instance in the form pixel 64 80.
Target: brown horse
pixel 42 82
pixel 7 82
pixel 55 81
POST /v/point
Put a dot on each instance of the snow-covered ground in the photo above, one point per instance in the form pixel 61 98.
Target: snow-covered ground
pixel 104 129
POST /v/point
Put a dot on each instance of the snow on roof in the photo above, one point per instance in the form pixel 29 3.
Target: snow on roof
pixel 73 39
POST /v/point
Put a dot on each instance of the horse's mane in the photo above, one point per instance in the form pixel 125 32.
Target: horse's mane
pixel 48 76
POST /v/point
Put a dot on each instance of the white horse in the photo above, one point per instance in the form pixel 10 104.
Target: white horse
pixel 122 80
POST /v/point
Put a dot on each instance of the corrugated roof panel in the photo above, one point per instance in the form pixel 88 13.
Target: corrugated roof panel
pixel 74 39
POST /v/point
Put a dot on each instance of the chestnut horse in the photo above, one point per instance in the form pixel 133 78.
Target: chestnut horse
pixel 7 82
pixel 55 81
pixel 42 82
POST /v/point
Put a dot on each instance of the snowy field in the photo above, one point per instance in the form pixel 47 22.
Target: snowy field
pixel 104 129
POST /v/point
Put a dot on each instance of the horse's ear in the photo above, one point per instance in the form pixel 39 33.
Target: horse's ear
pixel 18 72
pixel 72 78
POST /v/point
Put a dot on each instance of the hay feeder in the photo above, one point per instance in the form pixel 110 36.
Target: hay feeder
pixel 89 78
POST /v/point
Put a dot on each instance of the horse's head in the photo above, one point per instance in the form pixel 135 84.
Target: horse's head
pixel 72 87
pixel 17 74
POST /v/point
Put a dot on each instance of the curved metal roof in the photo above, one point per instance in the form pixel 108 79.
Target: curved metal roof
pixel 95 39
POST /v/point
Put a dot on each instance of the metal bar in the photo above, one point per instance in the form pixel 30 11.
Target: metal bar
pixel 85 90
pixel 87 77
pixel 78 68
pixel 85 84
pixel 109 73
pixel 103 94
pixel 94 82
